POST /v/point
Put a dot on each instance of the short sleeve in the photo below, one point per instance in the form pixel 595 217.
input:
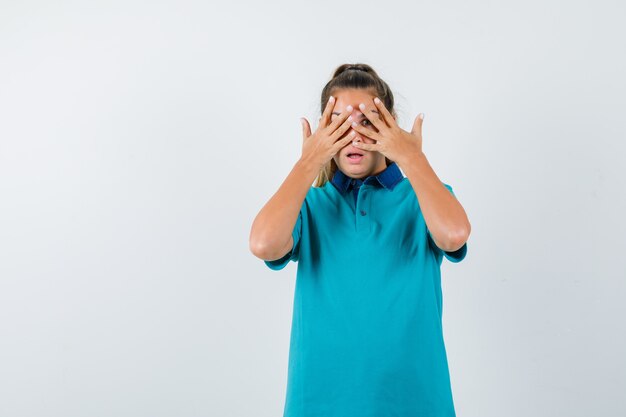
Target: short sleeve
pixel 453 256
pixel 294 253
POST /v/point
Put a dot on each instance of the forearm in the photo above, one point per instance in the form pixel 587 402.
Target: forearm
pixel 444 215
pixel 270 235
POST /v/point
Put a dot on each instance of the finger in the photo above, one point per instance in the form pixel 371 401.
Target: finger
pixel 366 146
pixel 363 131
pixel 417 125
pixel 387 117
pixel 347 124
pixel 350 136
pixel 373 116
pixel 306 128
pixel 341 143
pixel 340 119
pixel 325 119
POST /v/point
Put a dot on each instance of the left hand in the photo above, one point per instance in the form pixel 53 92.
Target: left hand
pixel 391 140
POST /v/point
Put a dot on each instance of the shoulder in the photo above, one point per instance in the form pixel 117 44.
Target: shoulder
pixel 322 193
pixel 403 193
pixel 405 187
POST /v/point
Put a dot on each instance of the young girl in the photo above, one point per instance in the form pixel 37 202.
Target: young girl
pixel 366 336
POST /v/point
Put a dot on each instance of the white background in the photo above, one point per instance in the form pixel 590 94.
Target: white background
pixel 139 139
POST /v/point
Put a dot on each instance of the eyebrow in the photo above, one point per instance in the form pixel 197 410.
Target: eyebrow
pixel 337 113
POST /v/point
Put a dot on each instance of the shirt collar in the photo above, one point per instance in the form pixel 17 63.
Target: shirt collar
pixel 388 178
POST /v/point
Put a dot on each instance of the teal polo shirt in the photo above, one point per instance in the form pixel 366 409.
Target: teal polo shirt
pixel 366 333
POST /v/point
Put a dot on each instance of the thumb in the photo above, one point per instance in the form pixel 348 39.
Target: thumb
pixel 306 129
pixel 417 125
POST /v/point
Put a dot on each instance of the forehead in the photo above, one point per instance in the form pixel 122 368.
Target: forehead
pixel 353 97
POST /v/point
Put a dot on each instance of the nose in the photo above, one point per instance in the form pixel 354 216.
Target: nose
pixel 357 117
pixel 356 114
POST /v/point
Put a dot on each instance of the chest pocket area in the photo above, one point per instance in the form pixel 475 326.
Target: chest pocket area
pixel 405 235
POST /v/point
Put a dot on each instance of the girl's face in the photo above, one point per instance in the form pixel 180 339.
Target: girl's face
pixel 372 163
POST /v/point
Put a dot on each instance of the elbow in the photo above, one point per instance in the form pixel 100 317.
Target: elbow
pixel 262 249
pixel 255 243
pixel 464 233
pixel 258 242
pixel 258 248
pixel 264 245
pixel 457 239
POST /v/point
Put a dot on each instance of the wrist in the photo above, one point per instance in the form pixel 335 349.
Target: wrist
pixel 412 158
pixel 309 166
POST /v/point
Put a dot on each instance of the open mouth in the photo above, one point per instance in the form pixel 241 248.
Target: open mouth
pixel 354 157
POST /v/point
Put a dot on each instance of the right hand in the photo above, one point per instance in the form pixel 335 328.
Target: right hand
pixel 321 146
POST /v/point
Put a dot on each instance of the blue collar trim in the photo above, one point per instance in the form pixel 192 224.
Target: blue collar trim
pixel 388 179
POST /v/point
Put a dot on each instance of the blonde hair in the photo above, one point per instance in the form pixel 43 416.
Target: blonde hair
pixel 352 76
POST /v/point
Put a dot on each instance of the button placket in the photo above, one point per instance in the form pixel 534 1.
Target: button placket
pixel 362 209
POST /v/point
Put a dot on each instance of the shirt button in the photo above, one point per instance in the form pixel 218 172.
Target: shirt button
pixel 363 213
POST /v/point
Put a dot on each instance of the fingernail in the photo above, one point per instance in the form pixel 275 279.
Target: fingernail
pixel 349 108
pixel 377 100
pixel 422 116
pixel 362 106
pixel 331 98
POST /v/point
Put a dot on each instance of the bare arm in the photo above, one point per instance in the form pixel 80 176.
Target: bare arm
pixel 445 217
pixel 443 213
pixel 270 236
